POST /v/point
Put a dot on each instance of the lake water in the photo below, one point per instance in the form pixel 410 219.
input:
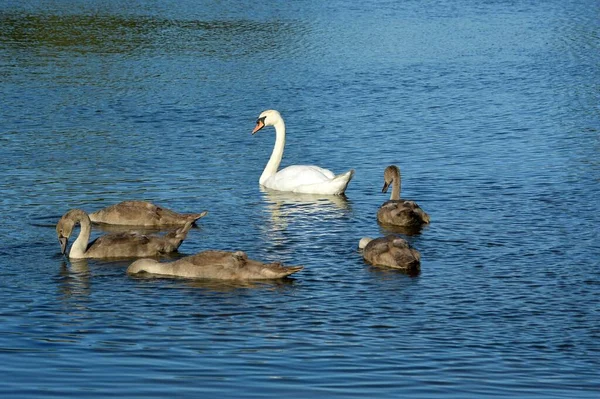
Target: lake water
pixel 490 108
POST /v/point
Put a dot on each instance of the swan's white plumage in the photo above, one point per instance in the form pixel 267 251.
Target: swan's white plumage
pixel 308 179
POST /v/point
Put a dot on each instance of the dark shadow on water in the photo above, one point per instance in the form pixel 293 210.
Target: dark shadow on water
pixel 58 255
pixel 408 231
pixel 228 286
pixel 221 285
pixel 390 272
pixel 106 33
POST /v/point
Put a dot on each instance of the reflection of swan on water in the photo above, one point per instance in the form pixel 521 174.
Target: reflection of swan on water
pixel 305 212
pixel 282 204
pixel 75 278
pixel 308 202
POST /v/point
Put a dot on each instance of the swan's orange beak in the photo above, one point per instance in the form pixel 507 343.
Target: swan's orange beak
pixel 259 125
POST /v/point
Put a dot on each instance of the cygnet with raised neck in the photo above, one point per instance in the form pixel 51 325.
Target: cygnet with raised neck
pixel 396 211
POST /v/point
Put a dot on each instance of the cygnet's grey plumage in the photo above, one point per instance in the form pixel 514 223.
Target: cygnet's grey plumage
pixel 391 251
pixel 121 245
pixel 396 211
pixel 142 213
pixel 221 265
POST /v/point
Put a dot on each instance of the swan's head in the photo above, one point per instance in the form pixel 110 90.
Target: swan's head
pixel 64 228
pixel 269 117
pixel 389 175
pixel 144 265
pixel 363 242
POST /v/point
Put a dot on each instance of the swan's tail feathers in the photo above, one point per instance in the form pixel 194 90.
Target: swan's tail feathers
pixel 176 237
pixel 181 232
pixel 292 270
pixel 277 270
pixel 195 216
pixel 425 217
pixel 341 181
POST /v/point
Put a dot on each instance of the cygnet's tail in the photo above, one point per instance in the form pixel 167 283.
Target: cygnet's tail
pixel 277 270
pixel 176 237
pixel 424 216
pixel 195 216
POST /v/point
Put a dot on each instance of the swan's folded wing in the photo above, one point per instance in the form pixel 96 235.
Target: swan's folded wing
pixel 304 174
pixel 292 177
pixel 130 239
pixel 128 212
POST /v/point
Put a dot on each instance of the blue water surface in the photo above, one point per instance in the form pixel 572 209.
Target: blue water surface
pixel 491 109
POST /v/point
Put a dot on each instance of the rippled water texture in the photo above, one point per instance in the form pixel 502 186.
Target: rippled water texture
pixel 490 108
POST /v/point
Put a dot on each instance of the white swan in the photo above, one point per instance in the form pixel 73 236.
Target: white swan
pixel 307 179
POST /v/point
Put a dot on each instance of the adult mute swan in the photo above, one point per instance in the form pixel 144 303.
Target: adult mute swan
pixel 221 265
pixel 142 213
pixel 396 211
pixel 122 245
pixel 308 179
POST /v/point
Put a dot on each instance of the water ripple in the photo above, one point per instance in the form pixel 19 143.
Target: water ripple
pixel 489 109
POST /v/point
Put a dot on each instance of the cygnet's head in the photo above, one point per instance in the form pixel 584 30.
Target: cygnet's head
pixel 363 242
pixel 64 228
pixel 144 265
pixel 269 117
pixel 389 175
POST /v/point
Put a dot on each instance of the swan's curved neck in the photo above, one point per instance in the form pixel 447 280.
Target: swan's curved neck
pixel 277 154
pixel 396 187
pixel 80 245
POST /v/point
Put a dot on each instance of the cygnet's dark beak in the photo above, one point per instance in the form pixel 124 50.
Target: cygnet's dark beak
pixel 385 187
pixel 63 244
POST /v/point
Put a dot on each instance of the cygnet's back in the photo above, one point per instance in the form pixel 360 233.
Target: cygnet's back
pixel 222 265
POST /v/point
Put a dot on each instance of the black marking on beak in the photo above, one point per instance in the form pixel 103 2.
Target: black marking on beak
pixel 385 187
pixel 260 123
